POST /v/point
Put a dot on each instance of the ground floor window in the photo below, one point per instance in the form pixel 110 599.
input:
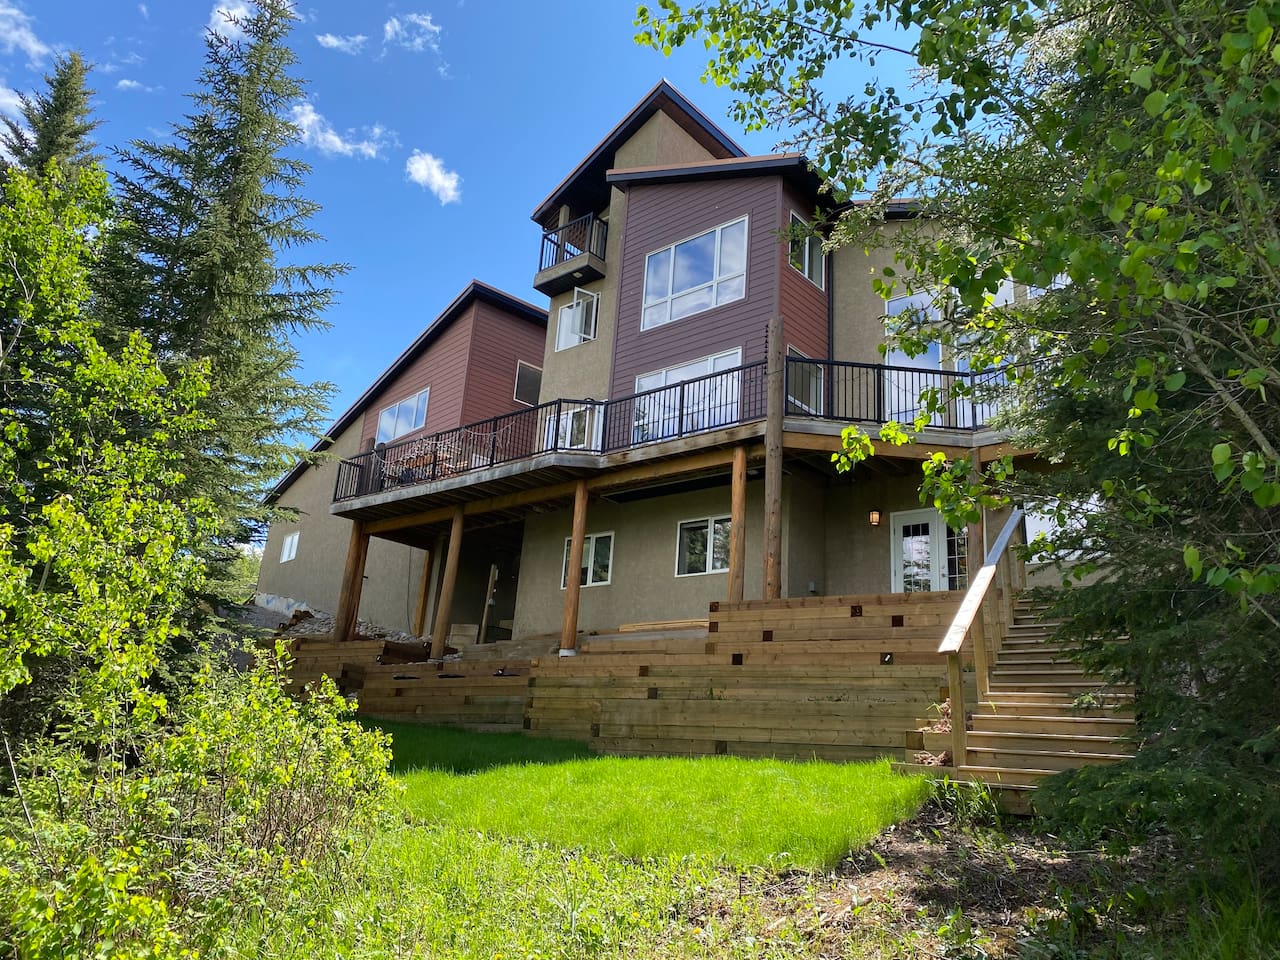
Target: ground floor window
pixel 289 548
pixel 702 546
pixel 597 560
pixel 926 554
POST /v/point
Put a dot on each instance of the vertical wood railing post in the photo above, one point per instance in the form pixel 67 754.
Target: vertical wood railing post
pixel 573 576
pixel 773 462
pixel 738 525
pixel 955 691
pixel 444 606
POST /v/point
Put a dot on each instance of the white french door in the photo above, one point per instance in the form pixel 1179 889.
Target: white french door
pixel 925 553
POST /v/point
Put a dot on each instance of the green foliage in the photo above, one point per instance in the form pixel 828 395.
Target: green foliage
pixel 132 824
pixel 204 258
pixel 1120 162
pixel 57 123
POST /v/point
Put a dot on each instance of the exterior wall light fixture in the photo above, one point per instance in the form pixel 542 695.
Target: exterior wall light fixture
pixel 873 518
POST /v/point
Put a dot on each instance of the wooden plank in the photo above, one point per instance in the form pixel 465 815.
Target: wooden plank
pixel 424 591
pixel 775 404
pixel 348 613
pixel 738 525
pixel 444 606
pixel 573 580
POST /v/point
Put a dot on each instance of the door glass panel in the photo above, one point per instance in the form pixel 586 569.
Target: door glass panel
pixel 917 557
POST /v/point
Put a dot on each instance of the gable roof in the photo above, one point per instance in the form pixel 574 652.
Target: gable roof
pixel 474 291
pixel 793 167
pixel 589 175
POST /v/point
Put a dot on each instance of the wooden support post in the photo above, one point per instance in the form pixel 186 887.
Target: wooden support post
pixel 981 665
pixel 573 579
pixel 976 550
pixel 424 593
pixel 775 409
pixel 444 606
pixel 488 604
pixel 344 621
pixel 955 689
pixel 738 526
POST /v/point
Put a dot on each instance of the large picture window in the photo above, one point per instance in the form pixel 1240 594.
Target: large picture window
pixel 695 275
pixel 711 401
pixel 404 417
pixel 806 250
pixel 577 321
pixel 702 546
pixel 597 561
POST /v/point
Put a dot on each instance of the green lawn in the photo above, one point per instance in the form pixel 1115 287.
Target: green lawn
pixel 737 812
pixel 514 847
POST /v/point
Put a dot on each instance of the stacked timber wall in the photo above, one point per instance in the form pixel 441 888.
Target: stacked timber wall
pixel 839 678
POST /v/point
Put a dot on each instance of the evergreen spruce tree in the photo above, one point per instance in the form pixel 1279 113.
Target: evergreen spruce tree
pixel 57 123
pixel 197 260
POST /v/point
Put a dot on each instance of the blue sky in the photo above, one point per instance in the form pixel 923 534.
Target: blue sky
pixel 433 129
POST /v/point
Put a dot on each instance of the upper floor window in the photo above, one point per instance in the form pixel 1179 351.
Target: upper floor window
pixel 695 275
pixel 577 321
pixel 289 547
pixel 528 383
pixel 806 250
pixel 404 417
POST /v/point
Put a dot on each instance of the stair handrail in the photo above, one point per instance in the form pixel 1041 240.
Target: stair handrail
pixel 967 623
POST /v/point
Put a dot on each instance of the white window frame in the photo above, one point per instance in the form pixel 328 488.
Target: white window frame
pixel 583 302
pixel 289 547
pixel 807 242
pixel 588 559
pixel 710 523
pixel 515 390
pixel 816 411
pixel 715 283
pixel 668 424
pixel 394 408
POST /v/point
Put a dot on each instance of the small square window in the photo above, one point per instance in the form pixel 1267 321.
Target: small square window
pixel 702 546
pixel 597 561
pixel 805 251
pixel 528 383
pixel 289 547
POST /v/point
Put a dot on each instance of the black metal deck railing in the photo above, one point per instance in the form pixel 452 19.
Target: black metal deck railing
pixel 877 392
pixel 820 389
pixel 585 235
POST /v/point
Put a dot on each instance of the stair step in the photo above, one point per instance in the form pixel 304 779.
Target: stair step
pixel 1025 759
pixel 1002 686
pixel 1052 723
pixel 1003 777
pixel 1055 743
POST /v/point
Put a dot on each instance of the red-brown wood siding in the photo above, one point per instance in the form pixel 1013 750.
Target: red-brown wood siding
pixel 443 368
pixel 498 341
pixel 803 303
pixel 662 214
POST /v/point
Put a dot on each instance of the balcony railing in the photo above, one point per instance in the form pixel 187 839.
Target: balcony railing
pixel 876 392
pixel 823 389
pixel 584 235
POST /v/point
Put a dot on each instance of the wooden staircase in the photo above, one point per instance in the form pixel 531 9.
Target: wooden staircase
pixel 1042 714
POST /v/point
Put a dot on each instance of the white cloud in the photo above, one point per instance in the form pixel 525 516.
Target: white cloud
pixel 134 85
pixel 352 44
pixel 428 171
pixel 142 9
pixel 317 132
pixel 415 32
pixel 16 33
pixel 10 105
pixel 223 16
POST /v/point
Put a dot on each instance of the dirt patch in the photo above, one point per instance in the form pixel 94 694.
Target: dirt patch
pixel 933 888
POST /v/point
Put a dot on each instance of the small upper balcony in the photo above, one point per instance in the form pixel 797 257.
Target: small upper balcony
pixel 572 255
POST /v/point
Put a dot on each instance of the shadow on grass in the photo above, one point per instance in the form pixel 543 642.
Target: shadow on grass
pixel 418 746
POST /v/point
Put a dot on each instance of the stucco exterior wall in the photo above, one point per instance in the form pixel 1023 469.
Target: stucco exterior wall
pixel 804 535
pixel 314 576
pixel 643 585
pixel 858 311
pixel 659 140
pixel 857 554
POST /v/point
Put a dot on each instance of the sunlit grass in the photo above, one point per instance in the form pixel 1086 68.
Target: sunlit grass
pixel 728 810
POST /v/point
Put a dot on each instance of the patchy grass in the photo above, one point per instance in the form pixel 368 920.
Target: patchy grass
pixel 513 847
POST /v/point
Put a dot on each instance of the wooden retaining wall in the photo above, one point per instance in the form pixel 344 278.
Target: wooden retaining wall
pixel 839 678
